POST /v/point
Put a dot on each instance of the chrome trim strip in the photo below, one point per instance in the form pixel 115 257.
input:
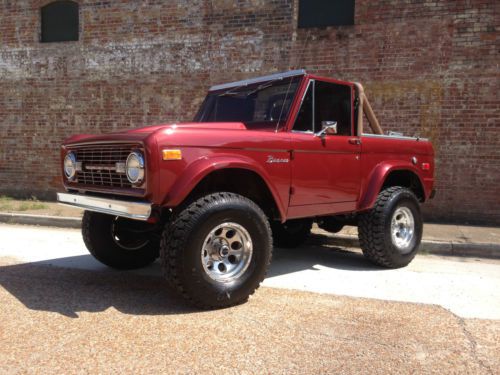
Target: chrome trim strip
pixel 250 81
pixel 131 210
pixel 236 148
pixel 264 149
pixel 394 137
pixel 104 142
pixel 326 151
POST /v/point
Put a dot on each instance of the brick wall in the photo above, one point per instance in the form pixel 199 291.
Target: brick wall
pixel 430 68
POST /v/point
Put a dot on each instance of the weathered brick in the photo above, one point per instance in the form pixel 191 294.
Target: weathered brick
pixel 429 67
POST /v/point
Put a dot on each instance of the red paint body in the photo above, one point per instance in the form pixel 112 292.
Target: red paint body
pixel 324 176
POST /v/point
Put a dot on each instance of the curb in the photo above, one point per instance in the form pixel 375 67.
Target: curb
pixel 49 221
pixel 450 248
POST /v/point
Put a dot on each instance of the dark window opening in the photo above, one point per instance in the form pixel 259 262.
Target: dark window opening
pixel 325 102
pixel 59 21
pixel 333 103
pixel 322 13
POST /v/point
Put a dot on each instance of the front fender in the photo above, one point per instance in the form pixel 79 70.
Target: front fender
pixel 376 180
pixel 202 167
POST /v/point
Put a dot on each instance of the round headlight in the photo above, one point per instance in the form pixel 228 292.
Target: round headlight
pixel 70 166
pixel 134 167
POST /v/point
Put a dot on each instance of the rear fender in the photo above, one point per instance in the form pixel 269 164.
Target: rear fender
pixel 199 169
pixel 376 180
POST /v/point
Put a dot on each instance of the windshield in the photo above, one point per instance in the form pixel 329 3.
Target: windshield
pixel 259 106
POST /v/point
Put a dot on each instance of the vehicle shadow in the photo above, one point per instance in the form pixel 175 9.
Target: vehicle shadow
pixel 80 284
pixel 319 250
pixel 46 286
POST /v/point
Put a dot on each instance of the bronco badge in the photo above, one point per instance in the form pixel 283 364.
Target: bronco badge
pixel 272 159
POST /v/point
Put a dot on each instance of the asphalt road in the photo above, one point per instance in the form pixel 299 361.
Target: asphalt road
pixel 322 309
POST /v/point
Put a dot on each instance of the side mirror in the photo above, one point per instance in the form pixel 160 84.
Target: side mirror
pixel 327 128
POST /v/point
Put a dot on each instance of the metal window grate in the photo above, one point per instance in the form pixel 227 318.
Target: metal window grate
pixel 60 21
pixel 323 13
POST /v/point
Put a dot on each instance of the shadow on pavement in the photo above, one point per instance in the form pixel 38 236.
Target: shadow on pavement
pixel 318 251
pixel 68 291
pixel 79 283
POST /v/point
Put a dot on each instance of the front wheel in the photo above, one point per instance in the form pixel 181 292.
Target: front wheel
pixel 118 242
pixel 391 232
pixel 216 251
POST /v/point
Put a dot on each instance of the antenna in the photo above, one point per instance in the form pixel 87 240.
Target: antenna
pixel 288 89
pixel 283 105
pixel 299 63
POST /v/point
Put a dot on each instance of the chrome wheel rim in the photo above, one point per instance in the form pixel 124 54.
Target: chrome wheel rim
pixel 226 252
pixel 402 229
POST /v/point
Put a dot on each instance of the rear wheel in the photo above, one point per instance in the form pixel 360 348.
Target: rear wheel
pixel 391 232
pixel 292 233
pixel 118 242
pixel 216 251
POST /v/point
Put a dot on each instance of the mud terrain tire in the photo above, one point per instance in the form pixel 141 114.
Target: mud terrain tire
pixel 391 232
pixel 197 244
pixel 117 242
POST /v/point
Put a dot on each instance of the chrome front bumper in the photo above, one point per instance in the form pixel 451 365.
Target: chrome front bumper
pixel 131 210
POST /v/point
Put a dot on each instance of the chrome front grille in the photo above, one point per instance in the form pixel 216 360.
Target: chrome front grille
pixel 103 165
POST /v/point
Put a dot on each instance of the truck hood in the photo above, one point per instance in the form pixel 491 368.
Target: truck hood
pixel 140 134
pixel 188 125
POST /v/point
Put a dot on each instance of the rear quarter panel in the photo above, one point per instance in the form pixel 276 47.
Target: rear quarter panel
pixel 380 155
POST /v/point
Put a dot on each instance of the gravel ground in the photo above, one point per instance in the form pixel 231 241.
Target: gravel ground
pixel 64 321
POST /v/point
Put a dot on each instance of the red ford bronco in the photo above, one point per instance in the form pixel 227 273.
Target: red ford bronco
pixel 263 159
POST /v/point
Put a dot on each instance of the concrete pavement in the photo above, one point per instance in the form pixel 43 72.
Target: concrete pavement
pixel 469 288
pixel 62 312
pixel 441 239
pixel 67 321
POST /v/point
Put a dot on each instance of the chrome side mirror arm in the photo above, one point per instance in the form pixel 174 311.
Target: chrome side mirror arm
pixel 327 127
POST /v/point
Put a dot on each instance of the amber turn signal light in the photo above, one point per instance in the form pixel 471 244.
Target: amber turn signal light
pixel 171 154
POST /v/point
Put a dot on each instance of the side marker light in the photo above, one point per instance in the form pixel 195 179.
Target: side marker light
pixel 171 154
